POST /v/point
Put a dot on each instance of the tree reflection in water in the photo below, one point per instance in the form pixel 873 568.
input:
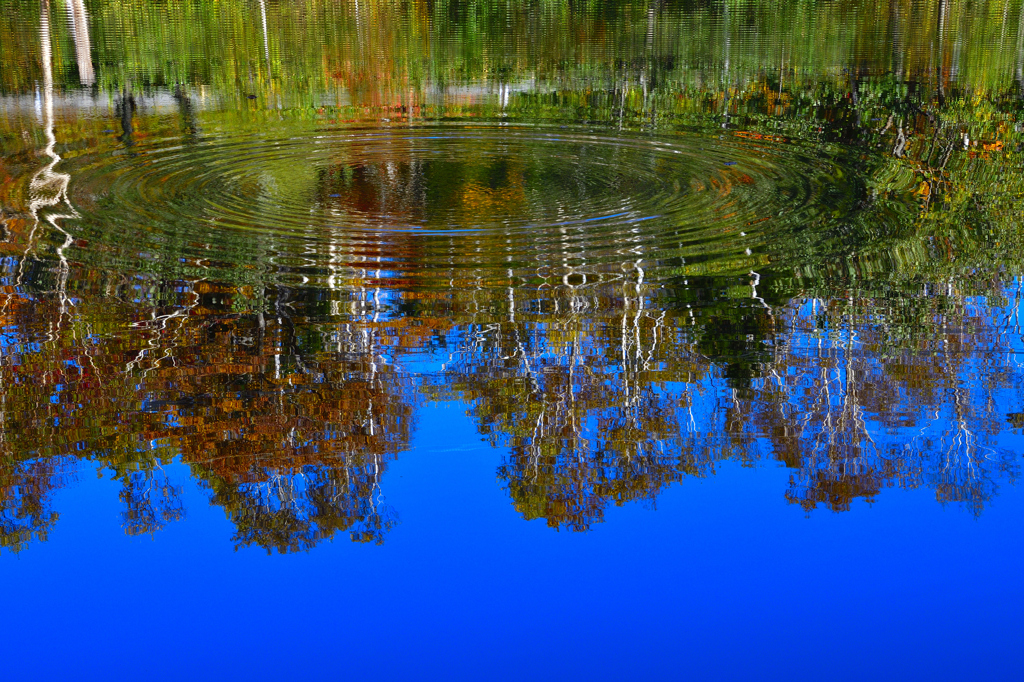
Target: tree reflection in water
pixel 614 404
pixel 868 351
pixel 290 429
pixel 601 392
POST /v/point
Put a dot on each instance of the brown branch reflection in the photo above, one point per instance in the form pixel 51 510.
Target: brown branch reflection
pixel 290 438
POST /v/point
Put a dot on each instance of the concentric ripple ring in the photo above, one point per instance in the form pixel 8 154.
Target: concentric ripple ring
pixel 432 201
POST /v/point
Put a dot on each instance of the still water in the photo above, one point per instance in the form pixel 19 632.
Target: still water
pixel 504 340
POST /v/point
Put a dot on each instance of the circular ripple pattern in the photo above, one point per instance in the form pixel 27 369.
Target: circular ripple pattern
pixel 458 203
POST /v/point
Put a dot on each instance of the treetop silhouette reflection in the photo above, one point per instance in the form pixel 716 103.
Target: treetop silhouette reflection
pixel 600 394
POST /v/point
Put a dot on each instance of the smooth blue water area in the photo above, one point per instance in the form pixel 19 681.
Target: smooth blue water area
pixel 722 581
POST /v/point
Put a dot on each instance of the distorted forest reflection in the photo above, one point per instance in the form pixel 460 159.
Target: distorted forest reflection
pixel 634 240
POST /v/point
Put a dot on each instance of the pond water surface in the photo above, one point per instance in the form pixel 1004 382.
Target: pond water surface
pixel 521 340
